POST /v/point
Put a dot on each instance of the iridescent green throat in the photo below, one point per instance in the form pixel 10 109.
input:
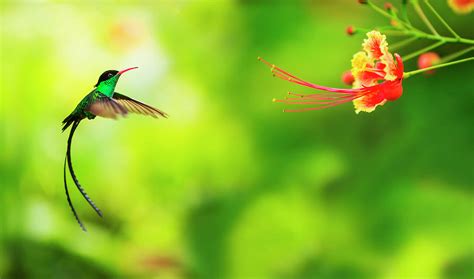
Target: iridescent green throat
pixel 107 87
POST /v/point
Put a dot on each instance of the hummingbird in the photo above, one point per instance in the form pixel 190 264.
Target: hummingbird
pixel 102 101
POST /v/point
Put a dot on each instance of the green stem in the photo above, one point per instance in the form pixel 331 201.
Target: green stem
pixel 423 50
pixel 423 17
pixel 440 38
pixel 412 73
pixel 404 12
pixel 408 29
pixel 387 30
pixel 393 32
pixel 403 43
pixel 456 54
pixel 441 19
pixel 384 13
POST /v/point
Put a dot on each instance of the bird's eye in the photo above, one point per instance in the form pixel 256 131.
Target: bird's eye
pixel 110 75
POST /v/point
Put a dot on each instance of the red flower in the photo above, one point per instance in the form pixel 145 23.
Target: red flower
pixel 427 60
pixel 377 79
pixel 461 6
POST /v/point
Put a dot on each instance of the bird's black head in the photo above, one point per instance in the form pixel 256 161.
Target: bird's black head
pixel 106 75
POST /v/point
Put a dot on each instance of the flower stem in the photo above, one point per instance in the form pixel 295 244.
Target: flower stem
pixel 384 13
pixel 394 32
pixel 423 50
pixel 412 73
pixel 387 30
pixel 423 17
pixel 408 29
pixel 403 43
pixel 441 19
pixel 456 54
pixel 440 38
pixel 404 12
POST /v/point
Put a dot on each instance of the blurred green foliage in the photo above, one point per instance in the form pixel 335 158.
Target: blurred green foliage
pixel 228 186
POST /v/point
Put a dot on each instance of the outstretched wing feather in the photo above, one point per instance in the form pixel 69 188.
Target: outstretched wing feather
pixel 137 107
pixel 107 107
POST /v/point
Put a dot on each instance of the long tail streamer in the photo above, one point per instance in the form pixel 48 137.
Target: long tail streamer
pixel 69 200
pixel 71 170
pixel 68 161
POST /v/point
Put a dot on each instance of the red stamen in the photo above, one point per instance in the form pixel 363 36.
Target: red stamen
pixel 324 97
pixel 375 71
pixel 273 67
pixel 315 103
pixel 315 86
pixel 315 108
pixel 278 72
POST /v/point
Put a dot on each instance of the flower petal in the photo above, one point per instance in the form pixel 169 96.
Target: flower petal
pixel 360 63
pixel 369 102
pixel 390 66
pixel 375 45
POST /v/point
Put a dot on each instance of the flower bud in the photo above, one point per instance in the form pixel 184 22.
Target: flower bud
pixel 394 23
pixel 461 6
pixel 350 30
pixel 363 1
pixel 427 60
pixel 388 6
pixel 347 77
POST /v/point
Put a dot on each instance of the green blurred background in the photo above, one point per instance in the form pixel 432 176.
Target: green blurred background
pixel 229 186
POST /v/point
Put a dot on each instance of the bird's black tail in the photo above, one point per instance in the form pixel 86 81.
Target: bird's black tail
pixel 68 121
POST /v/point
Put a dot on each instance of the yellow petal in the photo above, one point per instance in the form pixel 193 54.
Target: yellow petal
pixel 359 64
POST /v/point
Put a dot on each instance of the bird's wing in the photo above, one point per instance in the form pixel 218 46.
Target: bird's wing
pixel 135 106
pixel 107 107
